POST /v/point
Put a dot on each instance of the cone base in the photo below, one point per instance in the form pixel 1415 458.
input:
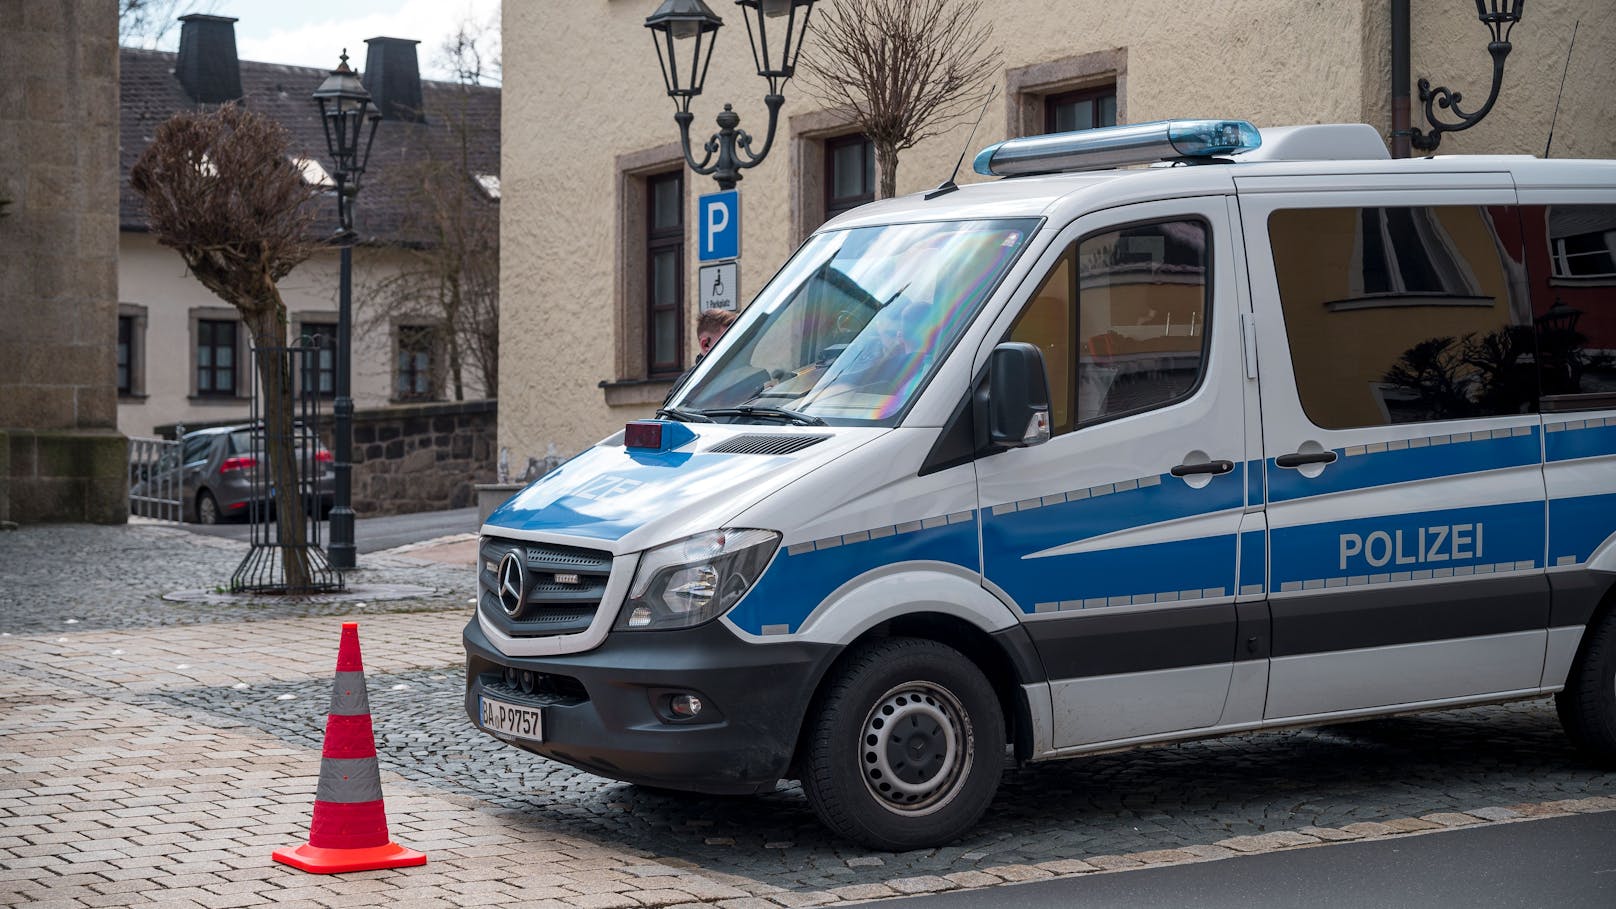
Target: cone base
pixel 320 860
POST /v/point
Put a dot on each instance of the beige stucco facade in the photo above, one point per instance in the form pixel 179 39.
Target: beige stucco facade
pixel 585 119
pixel 166 302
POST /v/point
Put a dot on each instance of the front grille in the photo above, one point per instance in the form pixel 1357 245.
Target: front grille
pixel 766 444
pixel 562 585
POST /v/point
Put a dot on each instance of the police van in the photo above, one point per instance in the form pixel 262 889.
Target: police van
pixel 1276 432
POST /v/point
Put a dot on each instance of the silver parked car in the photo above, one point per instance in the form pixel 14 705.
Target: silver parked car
pixel 219 473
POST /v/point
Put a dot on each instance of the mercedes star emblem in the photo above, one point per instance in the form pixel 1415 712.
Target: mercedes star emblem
pixel 510 581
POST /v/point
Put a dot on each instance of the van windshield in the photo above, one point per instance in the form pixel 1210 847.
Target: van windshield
pixel 854 325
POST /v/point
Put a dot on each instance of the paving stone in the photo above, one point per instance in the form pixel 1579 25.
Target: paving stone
pixel 1067 866
pixel 1410 825
pixel 1451 819
pixel 924 883
pixel 1330 834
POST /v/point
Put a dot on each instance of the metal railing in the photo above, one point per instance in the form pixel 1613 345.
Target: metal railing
pixel 154 479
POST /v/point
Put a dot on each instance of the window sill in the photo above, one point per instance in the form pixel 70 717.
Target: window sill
pixel 132 397
pixel 233 400
pixel 636 392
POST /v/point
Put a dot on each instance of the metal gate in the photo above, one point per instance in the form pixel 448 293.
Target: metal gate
pixel 154 478
pixel 275 539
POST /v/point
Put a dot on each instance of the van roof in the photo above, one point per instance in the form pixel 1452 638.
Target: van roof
pixel 1287 152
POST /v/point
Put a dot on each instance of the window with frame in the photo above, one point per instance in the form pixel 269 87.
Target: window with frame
pixel 1087 108
pixel 665 268
pixel 319 363
pixel 849 173
pixel 216 358
pixel 413 375
pixel 126 351
pixel 1402 315
pixel 1582 241
pixel 1121 320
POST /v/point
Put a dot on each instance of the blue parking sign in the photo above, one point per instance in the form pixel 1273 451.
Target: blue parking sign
pixel 719 226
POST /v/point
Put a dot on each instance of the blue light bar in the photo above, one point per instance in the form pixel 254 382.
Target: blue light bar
pixel 1117 146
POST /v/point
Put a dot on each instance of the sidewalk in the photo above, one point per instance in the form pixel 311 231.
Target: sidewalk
pixel 156 750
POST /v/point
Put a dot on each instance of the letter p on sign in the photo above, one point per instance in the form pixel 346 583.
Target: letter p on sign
pixel 719 222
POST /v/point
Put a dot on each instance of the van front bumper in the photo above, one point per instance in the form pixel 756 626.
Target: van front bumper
pixel 607 710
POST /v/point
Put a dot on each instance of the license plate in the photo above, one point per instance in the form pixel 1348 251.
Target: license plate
pixel 512 719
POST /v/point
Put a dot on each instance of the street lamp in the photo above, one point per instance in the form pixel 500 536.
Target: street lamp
pixel 677 23
pixel 1500 17
pixel 345 110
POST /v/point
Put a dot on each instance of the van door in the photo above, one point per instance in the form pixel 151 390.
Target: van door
pixel 1117 539
pixel 1401 443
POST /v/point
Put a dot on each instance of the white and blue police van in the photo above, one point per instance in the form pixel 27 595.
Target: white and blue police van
pixel 1277 432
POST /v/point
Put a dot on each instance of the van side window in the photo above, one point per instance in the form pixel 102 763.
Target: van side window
pixel 1405 315
pixel 1571 265
pixel 1121 321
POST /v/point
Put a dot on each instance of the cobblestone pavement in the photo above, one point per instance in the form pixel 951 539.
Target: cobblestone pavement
pixel 157 751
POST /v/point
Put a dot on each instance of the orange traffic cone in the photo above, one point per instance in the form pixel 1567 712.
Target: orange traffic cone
pixel 349 832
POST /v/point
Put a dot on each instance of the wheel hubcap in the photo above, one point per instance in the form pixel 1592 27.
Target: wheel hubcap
pixel 916 748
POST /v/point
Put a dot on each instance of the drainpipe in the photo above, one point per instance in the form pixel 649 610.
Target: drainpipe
pixel 1400 68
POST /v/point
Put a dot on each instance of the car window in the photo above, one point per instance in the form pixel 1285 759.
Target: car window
pixel 1403 315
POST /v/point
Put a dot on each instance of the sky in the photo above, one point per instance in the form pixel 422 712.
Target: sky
pixel 314 32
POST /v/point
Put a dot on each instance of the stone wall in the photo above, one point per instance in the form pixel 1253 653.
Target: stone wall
pixel 421 457
pixel 59 268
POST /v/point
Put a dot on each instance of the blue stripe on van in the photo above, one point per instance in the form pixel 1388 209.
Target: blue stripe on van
pixel 1015 534
pixel 1155 573
pixel 1574 441
pixel 1578 525
pixel 1407 547
pixel 1253 561
pixel 1425 459
pixel 796 583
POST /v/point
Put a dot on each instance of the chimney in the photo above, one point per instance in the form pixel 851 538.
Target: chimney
pixel 208 68
pixel 393 78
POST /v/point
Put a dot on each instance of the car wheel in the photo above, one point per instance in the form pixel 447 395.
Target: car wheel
pixel 207 508
pixel 906 747
pixel 1587 704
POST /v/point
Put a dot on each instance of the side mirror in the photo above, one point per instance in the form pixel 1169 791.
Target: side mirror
pixel 1018 396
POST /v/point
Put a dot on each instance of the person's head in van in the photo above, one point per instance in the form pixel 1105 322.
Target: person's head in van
pixel 711 326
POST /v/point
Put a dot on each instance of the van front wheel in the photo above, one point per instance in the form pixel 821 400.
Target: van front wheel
pixel 907 747
pixel 1587 705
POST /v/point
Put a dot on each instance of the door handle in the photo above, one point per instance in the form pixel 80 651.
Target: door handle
pixel 1215 468
pixel 1299 458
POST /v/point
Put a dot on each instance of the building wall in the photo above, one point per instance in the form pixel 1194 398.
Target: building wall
pixel 154 287
pixel 579 135
pixel 58 262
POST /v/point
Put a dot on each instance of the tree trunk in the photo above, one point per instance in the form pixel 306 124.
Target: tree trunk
pixel 886 166
pixel 268 328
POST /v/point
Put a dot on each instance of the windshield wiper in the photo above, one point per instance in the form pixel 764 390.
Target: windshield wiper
pixel 776 413
pixel 684 416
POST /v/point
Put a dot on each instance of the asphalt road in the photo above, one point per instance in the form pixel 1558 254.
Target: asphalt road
pixel 375 534
pixel 1563 862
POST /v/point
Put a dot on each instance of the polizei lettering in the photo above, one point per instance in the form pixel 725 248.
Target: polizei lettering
pixel 1413 546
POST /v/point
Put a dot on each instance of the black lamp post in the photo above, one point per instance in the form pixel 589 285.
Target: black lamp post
pixel 677 23
pixel 1500 17
pixel 345 111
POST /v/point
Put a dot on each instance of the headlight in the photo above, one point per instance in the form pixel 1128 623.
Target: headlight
pixel 691 581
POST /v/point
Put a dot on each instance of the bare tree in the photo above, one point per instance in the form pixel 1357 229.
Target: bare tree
pixel 221 190
pixel 144 23
pixel 904 70
pixel 453 279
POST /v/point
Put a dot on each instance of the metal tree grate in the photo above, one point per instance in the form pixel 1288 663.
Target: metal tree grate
pixel 274 538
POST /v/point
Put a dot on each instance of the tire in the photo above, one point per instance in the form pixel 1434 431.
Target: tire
pixel 1587 704
pixel 207 508
pixel 925 789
